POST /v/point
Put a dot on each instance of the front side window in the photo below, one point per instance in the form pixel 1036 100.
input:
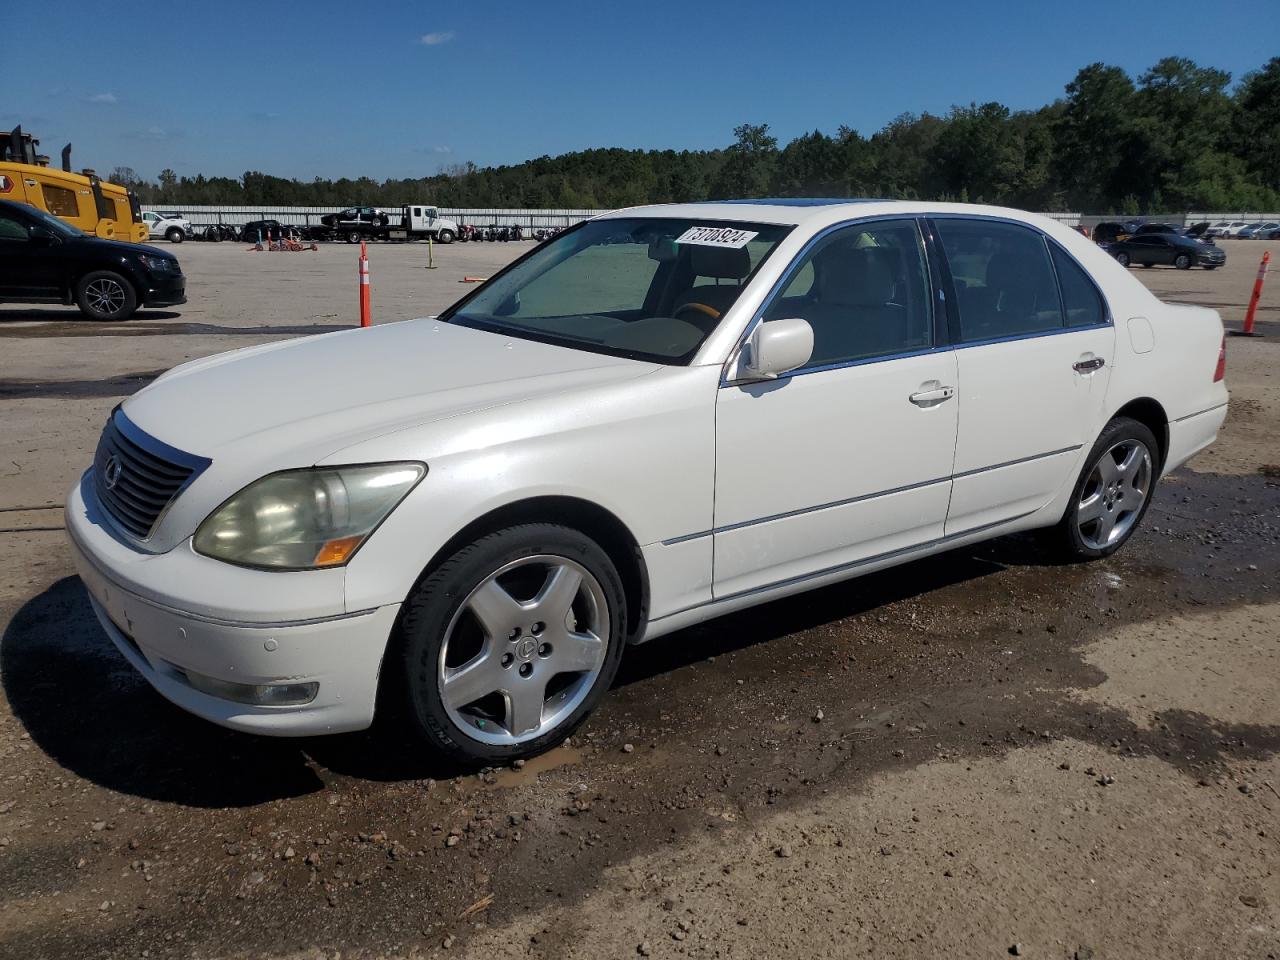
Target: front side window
pixel 60 201
pixel 12 229
pixel 642 287
pixel 1003 279
pixel 865 292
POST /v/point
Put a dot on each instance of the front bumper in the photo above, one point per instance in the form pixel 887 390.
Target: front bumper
pixel 341 654
pixel 165 290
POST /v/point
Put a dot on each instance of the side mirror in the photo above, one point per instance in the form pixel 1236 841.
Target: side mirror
pixel 43 237
pixel 777 347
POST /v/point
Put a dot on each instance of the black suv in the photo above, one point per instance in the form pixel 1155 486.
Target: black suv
pixel 44 260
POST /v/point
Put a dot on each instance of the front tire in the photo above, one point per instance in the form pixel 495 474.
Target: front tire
pixel 1182 261
pixel 353 236
pixel 445 236
pixel 103 295
pixel 175 235
pixel 1112 494
pixel 509 644
pixel 1122 258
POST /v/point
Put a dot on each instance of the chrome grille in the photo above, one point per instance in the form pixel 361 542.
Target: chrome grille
pixel 136 476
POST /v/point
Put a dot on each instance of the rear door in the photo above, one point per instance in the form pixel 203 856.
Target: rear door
pixel 1034 345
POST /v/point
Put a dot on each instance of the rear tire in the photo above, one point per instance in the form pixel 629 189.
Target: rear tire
pixel 1109 500
pixel 531 683
pixel 353 236
pixel 103 295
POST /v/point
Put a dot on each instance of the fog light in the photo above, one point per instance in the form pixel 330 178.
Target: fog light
pixel 255 694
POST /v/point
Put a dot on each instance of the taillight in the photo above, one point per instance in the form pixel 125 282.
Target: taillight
pixel 1220 372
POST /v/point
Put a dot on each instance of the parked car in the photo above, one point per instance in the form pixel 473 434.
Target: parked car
pixel 264 230
pixel 1167 249
pixel 1233 228
pixel 173 227
pixel 1149 228
pixel 1110 231
pixel 356 216
pixel 44 259
pixel 1258 231
pixel 502 498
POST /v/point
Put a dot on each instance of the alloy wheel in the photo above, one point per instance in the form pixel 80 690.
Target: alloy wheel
pixel 1113 495
pixel 105 296
pixel 523 650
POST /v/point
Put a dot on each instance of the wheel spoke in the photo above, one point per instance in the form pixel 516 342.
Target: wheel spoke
pixel 576 652
pixel 555 599
pixel 1091 508
pixel 1107 468
pixel 1106 523
pixel 479 677
pixel 525 700
pixel 1127 468
pixel 498 612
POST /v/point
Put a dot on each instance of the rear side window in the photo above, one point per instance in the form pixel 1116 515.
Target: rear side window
pixel 1003 279
pixel 1080 297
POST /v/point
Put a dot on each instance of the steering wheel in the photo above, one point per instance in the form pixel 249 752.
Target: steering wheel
pixel 711 312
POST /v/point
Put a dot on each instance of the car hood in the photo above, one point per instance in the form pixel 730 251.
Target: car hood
pixel 296 401
pixel 117 248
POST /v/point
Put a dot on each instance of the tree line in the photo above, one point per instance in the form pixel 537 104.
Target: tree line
pixel 1177 137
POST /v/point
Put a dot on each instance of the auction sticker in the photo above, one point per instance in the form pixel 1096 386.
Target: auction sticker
pixel 717 237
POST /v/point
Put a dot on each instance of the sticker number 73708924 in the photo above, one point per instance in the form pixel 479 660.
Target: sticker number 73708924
pixel 717 237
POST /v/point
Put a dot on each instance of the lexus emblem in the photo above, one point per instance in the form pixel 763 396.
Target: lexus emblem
pixel 111 472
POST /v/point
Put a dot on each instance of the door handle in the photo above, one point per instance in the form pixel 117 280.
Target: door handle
pixel 933 397
pixel 1088 366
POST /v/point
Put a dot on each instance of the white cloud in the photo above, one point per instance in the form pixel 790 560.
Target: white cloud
pixel 436 39
pixel 103 98
pixel 442 149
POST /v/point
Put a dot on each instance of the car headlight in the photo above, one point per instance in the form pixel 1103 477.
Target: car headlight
pixel 159 264
pixel 305 519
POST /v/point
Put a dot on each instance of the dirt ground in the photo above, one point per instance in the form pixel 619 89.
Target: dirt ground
pixel 974 755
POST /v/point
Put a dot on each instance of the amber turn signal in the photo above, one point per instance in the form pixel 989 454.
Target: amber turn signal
pixel 336 551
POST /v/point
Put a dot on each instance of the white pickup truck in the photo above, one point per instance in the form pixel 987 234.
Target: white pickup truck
pixel 420 221
pixel 171 226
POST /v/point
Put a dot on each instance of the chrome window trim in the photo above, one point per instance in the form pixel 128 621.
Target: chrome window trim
pixel 937 296
pixel 794 266
pixel 1106 304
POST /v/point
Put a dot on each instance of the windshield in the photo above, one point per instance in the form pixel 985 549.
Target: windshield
pixel 60 227
pixel 642 287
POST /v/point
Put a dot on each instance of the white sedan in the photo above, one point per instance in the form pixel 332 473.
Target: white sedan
pixel 660 416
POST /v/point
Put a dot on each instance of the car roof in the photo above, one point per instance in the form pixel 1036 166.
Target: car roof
pixel 817 211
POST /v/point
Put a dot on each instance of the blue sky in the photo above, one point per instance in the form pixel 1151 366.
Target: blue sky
pixel 318 88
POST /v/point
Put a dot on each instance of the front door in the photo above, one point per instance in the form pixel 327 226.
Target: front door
pixel 29 269
pixel 848 458
pixel 1034 345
